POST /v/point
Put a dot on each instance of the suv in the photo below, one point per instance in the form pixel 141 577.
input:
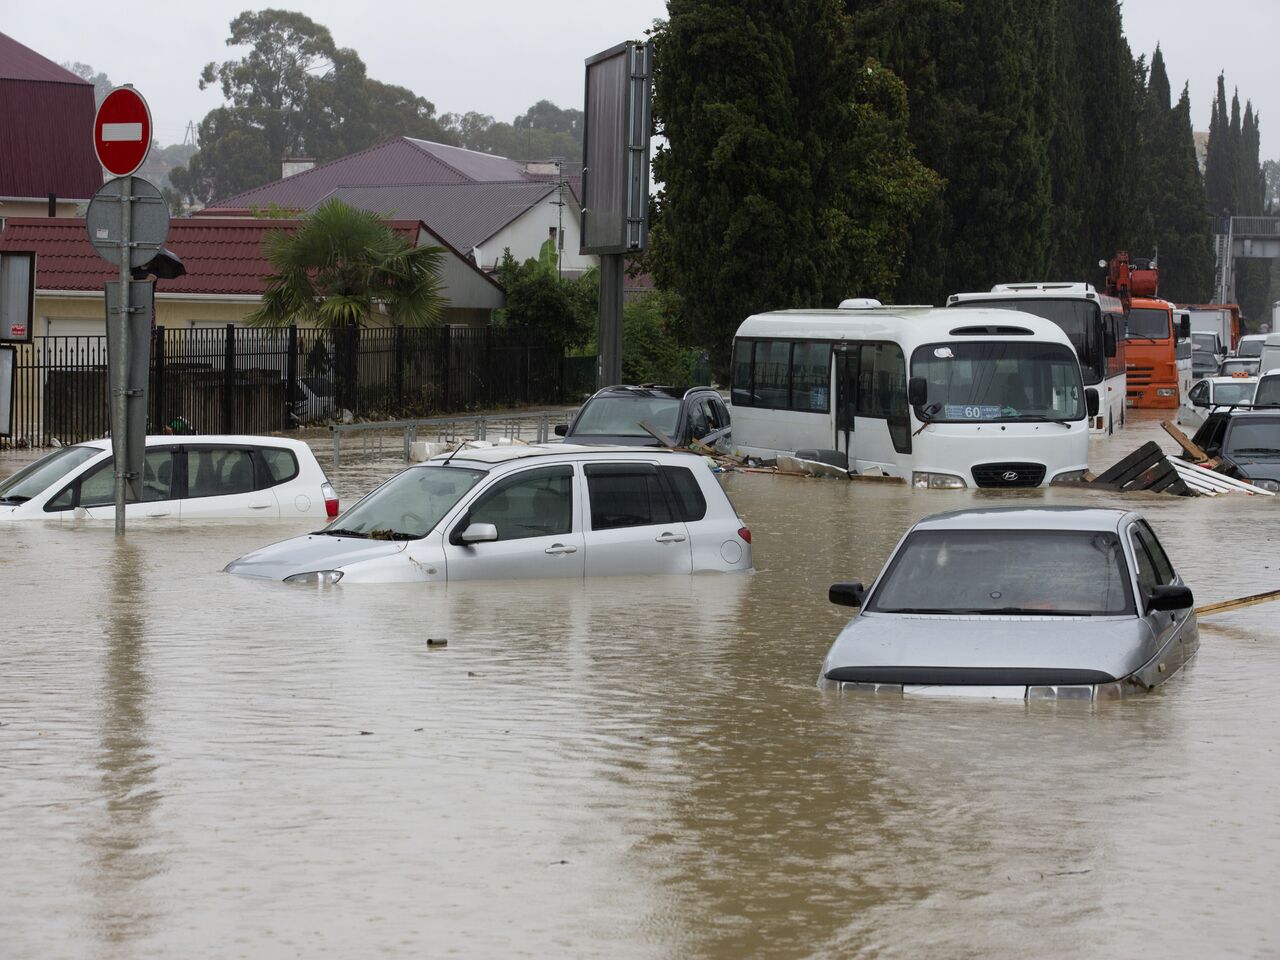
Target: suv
pixel 519 512
pixel 1247 442
pixel 183 478
pixel 613 415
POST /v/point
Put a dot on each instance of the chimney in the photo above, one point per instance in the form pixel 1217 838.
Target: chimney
pixel 291 165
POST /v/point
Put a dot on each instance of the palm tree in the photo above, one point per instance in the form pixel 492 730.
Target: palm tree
pixel 342 264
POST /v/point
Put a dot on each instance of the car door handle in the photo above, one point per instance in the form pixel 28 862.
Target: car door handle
pixel 259 506
pixel 159 513
pixel 670 538
pixel 559 548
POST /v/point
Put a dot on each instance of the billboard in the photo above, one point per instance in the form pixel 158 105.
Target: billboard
pixel 17 296
pixel 615 150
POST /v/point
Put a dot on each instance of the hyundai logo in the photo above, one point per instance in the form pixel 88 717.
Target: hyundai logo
pixel 1009 476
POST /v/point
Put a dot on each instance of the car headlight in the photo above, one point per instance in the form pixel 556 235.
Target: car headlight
pixel 316 578
pixel 924 480
pixel 1070 476
pixel 1271 485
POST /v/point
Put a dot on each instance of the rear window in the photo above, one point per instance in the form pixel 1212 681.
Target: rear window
pixel 689 503
pixel 282 465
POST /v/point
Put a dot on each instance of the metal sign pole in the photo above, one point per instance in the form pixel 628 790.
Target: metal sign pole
pixel 120 355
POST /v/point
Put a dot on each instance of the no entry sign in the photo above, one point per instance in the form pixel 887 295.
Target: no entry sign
pixel 122 131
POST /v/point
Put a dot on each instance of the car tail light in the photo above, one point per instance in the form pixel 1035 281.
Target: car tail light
pixel 745 534
pixel 330 499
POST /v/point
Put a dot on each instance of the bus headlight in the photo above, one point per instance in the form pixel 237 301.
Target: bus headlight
pixel 923 480
pixel 1166 391
pixel 1070 476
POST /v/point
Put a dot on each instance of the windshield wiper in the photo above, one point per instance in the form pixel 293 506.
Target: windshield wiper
pixel 391 535
pixel 342 533
pixel 1038 418
pixel 18 499
pixel 1253 450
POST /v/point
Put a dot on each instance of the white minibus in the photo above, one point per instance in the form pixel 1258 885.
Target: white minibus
pixel 945 398
pixel 1092 321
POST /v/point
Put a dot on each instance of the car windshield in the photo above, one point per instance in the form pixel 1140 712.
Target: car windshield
pixel 407 506
pixel 1259 435
pixel 1004 380
pixel 621 416
pixel 1229 393
pixel 1148 323
pixel 1249 348
pixel 36 477
pixel 1026 572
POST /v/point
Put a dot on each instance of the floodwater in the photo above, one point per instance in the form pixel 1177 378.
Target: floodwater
pixel 193 764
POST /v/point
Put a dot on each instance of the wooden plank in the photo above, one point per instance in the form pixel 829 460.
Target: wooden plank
pixel 1196 454
pixel 1224 605
pixel 657 434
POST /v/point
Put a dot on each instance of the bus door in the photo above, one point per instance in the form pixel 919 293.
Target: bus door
pixel 846 394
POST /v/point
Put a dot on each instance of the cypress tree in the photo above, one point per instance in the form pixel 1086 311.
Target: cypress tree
pixel 1219 166
pixel 787 179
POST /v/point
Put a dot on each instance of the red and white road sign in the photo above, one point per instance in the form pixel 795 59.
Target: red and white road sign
pixel 122 131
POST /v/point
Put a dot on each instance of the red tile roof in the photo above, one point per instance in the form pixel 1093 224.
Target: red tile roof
pixel 46 128
pixel 222 256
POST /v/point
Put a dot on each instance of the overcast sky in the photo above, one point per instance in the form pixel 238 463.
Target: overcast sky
pixel 500 56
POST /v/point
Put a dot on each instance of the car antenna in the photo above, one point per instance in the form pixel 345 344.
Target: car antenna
pixel 454 452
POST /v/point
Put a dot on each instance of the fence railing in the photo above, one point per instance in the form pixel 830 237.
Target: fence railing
pixel 249 380
pixel 534 426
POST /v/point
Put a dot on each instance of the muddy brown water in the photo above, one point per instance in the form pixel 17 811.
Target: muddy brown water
pixel 193 764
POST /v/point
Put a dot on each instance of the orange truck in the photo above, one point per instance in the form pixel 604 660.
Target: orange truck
pixel 1157 366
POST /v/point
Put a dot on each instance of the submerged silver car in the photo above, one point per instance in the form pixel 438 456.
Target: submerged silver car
pixel 1035 603
pixel 523 512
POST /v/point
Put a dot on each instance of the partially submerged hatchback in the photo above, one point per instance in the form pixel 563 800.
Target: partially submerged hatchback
pixel 183 478
pixel 553 510
pixel 1041 603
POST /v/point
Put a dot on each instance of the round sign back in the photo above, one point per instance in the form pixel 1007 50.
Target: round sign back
pixel 148 220
pixel 122 131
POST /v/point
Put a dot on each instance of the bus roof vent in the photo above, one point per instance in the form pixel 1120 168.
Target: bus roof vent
pixel 860 303
pixel 1054 287
pixel 991 330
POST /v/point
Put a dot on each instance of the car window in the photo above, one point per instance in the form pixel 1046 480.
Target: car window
pixel 1163 568
pixel 722 412
pixel 699 425
pixel 282 465
pixel 1268 392
pixel 687 496
pixel 625 495
pixel 535 503
pixel 98 488
pixel 1147 576
pixel 218 472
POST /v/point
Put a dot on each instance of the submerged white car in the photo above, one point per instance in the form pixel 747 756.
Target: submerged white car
pixel 554 510
pixel 1041 603
pixel 184 478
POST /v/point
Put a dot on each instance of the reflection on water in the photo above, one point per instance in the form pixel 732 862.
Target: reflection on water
pixel 633 768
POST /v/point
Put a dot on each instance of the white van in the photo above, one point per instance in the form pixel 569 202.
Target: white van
pixel 1270 357
pixel 945 398
pixel 1267 393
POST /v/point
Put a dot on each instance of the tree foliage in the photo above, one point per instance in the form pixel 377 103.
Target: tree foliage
pixel 651 353
pixel 544 131
pixel 787 178
pixel 560 310
pixel 342 267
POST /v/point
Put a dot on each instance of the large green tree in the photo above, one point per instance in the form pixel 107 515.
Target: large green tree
pixel 541 303
pixel 295 92
pixel 786 176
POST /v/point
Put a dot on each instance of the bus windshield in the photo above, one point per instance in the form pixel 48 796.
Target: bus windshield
pixel 1080 320
pixel 1148 323
pixel 999 380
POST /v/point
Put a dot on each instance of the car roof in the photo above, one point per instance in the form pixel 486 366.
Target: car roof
pixel 492 456
pixel 195 439
pixel 1254 336
pixel 1217 380
pixel 1026 518
pixel 648 390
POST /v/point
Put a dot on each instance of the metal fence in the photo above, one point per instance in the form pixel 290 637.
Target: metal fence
pixel 249 380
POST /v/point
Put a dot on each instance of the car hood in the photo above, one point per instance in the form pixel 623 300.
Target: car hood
pixel 1023 650
pixel 310 552
pixel 1256 466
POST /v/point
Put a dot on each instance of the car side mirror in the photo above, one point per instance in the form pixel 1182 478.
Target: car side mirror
pixel 479 533
pixel 1184 328
pixel 846 594
pixel 1091 401
pixel 1109 343
pixel 917 391
pixel 561 429
pixel 1170 597
pixel 1200 401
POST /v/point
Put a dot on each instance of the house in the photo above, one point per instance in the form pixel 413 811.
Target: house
pixel 478 203
pixel 226 275
pixel 47 162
